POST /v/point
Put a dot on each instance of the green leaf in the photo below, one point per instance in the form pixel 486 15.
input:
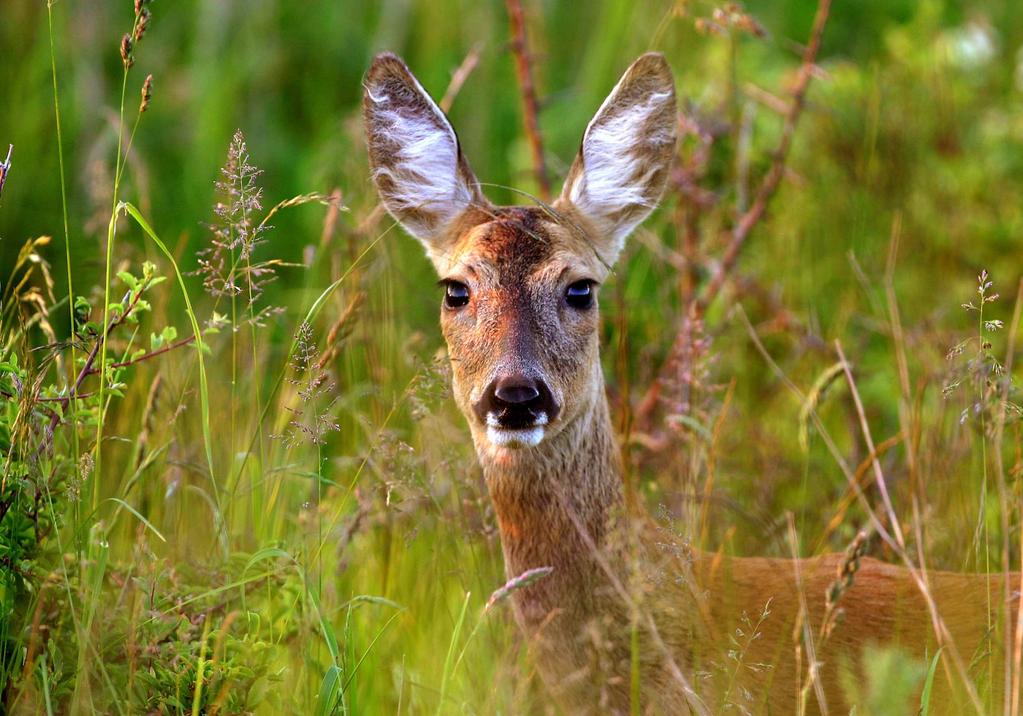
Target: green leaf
pixel 257 693
pixel 82 310
pixel 138 516
pixel 330 691
pixel 372 599
pixel 129 280
pixel 925 696
pixel 448 661
pixel 380 633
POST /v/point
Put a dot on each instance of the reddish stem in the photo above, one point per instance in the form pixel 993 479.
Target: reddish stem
pixel 524 72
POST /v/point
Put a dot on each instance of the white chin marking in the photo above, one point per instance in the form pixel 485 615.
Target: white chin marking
pixel 516 437
pixel 523 437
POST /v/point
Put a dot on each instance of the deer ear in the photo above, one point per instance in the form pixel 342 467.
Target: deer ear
pixel 417 165
pixel 621 169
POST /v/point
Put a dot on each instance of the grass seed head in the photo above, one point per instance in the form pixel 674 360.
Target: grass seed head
pixel 226 265
pixel 141 24
pixel 530 576
pixel 126 51
pixel 147 94
pixel 847 569
pixel 313 416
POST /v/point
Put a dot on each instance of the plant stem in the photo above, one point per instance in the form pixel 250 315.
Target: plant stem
pixel 982 512
pixel 524 72
pixel 64 215
pixel 111 233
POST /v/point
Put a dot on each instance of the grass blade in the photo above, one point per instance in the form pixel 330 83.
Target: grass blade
pixel 138 515
pixel 451 652
pixel 925 695
pixel 330 691
pixel 355 669
pixel 204 400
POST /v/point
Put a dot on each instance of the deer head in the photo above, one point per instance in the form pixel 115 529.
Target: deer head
pixel 520 284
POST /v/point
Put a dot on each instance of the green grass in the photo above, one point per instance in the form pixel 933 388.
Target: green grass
pixel 313 535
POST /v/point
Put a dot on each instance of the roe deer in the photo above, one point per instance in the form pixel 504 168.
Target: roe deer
pixel 619 607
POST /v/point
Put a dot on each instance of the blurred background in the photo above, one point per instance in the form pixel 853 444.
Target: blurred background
pixel 904 183
pixel 920 95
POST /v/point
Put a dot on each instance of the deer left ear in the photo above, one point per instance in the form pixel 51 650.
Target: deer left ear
pixel 418 167
pixel 622 167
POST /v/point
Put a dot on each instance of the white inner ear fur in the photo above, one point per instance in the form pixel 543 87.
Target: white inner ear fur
pixel 425 176
pixel 614 179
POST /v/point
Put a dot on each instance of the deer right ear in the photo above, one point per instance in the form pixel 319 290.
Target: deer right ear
pixel 417 166
pixel 622 167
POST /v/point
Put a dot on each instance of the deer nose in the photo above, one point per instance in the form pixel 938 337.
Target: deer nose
pixel 516 401
pixel 515 390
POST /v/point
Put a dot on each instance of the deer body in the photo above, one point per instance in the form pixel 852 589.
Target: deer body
pixel 697 599
pixel 520 320
pixel 564 508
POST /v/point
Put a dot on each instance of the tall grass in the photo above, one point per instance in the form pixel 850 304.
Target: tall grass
pixel 261 497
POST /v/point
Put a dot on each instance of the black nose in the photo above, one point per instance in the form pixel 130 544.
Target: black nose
pixel 516 401
pixel 515 390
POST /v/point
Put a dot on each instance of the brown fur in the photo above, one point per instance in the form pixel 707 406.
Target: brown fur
pixel 559 504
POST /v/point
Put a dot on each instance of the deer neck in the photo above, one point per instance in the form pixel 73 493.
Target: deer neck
pixel 556 504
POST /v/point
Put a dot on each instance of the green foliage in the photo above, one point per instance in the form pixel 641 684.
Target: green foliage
pixel 172 646
pixel 42 469
pixel 891 682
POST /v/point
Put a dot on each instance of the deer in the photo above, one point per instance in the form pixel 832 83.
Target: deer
pixel 622 622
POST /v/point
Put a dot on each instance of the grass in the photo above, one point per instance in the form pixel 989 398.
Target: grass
pixel 264 482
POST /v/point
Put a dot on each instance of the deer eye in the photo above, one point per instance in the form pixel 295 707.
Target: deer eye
pixel 579 295
pixel 456 294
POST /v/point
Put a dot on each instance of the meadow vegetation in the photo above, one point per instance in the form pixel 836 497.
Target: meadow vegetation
pixel 233 479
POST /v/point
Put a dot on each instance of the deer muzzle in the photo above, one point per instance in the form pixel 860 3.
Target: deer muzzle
pixel 516 408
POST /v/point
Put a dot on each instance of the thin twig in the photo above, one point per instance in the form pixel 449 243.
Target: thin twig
pixel 910 427
pixel 458 78
pixel 88 368
pixel 42 399
pixel 524 72
pixel 882 486
pixel 146 356
pixel 803 630
pixel 90 361
pixel 1015 631
pixel 685 181
pixel 771 181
